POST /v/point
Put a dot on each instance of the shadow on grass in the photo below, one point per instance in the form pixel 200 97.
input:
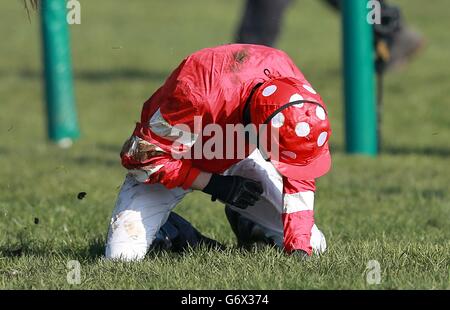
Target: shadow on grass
pixel 428 194
pixel 228 250
pixel 91 160
pixel 4 151
pixel 427 151
pixel 93 251
pixel 111 148
pixel 97 75
pixel 402 150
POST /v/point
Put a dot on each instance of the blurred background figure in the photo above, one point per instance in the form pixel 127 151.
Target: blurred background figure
pixel 395 42
pixel 261 22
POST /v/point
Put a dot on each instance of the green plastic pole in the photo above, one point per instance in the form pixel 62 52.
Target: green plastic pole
pixel 62 121
pixel 359 79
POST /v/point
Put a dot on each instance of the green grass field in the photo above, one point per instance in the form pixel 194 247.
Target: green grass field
pixel 394 208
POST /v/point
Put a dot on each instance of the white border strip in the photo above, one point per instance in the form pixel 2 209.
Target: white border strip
pixel 302 201
pixel 160 127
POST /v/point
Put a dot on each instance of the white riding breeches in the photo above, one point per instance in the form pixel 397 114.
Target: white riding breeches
pixel 141 209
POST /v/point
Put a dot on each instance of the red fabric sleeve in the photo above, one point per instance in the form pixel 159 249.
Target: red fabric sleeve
pixel 165 170
pixel 291 186
pixel 150 164
pixel 298 214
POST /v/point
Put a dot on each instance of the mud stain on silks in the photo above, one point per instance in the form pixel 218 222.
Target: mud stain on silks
pixel 239 58
pixel 130 222
pixel 134 229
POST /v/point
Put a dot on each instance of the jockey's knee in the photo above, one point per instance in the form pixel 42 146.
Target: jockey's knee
pixel 127 237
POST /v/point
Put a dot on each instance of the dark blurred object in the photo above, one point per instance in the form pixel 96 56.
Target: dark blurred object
pixel 30 5
pixel 81 195
pixel 301 255
pixel 247 232
pixel 177 235
pixel 261 21
pixel 395 43
pixel 402 45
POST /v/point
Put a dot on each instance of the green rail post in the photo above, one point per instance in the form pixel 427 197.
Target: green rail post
pixel 62 121
pixel 359 79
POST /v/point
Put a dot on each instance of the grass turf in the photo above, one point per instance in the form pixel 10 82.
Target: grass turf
pixel 394 208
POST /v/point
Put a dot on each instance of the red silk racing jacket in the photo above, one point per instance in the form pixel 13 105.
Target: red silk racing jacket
pixel 211 86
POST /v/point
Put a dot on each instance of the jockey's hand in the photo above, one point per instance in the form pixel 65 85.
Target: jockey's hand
pixel 234 190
